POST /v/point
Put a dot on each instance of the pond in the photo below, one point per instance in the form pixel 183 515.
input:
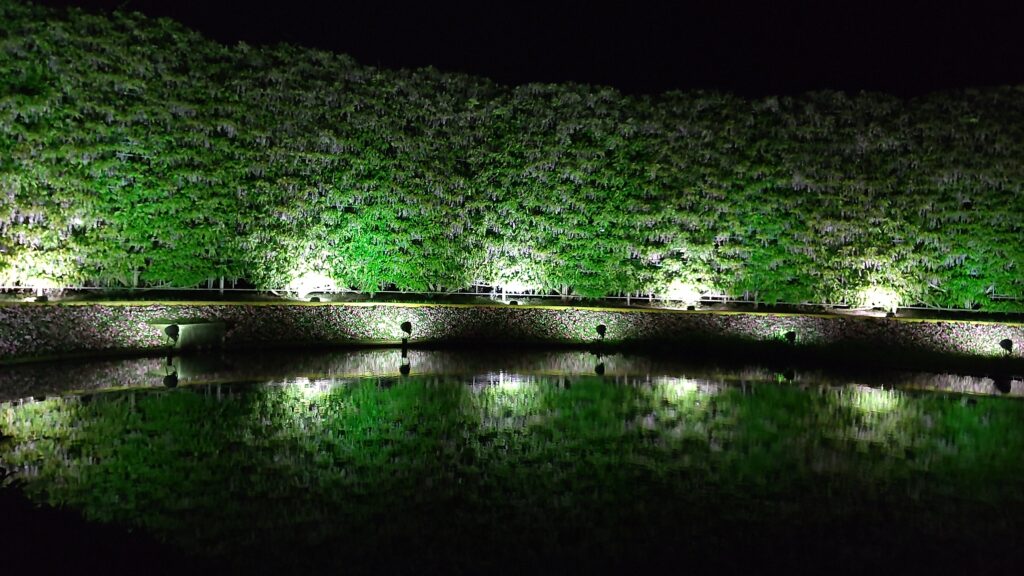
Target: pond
pixel 468 462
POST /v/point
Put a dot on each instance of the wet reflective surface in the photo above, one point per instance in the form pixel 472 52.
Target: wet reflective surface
pixel 552 462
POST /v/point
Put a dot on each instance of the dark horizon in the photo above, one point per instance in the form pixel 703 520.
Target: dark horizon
pixel 642 47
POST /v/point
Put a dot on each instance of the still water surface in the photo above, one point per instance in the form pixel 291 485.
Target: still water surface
pixel 475 463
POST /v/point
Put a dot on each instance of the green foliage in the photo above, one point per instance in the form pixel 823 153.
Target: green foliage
pixel 135 152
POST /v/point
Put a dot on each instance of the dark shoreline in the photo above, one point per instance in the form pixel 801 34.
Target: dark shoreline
pixel 42 539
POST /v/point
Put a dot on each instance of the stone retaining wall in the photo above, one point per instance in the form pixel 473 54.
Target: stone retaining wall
pixel 44 330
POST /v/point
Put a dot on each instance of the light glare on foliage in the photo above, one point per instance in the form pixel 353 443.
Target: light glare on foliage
pixel 515 287
pixel 683 292
pixel 309 282
pixel 878 297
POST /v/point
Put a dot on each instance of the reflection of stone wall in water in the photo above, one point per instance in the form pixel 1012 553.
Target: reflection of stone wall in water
pixel 28 330
pixel 931 381
pixel 43 379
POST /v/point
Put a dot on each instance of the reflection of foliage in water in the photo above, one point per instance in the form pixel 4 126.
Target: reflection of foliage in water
pixel 305 472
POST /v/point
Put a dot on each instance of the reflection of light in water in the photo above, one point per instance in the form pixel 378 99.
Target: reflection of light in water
pixel 676 388
pixel 501 381
pixel 510 381
pixel 873 416
pixel 679 408
pixel 679 398
pixel 873 400
pixel 677 384
pixel 310 389
pixel 509 400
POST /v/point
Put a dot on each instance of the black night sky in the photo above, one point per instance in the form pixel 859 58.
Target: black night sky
pixel 753 48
